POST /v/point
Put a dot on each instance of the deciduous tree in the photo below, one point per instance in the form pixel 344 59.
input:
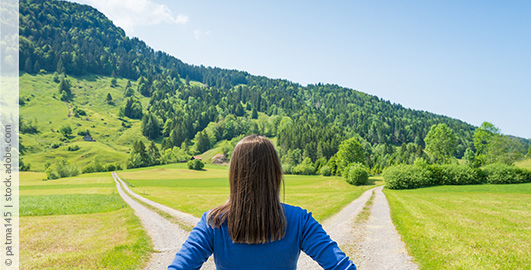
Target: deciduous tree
pixel 440 143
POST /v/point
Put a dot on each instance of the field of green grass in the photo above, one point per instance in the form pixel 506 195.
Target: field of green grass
pixel 465 227
pixel 195 192
pixel 78 222
pixel 526 163
pixel 44 107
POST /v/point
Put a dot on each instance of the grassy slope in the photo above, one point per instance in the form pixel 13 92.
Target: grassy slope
pixel 526 164
pixel 465 227
pixel 113 141
pixel 197 191
pixel 55 236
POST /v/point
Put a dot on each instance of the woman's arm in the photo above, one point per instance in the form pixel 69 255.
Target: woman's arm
pixel 196 249
pixel 318 245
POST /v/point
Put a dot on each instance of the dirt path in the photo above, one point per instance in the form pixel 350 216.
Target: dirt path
pixel 374 244
pixel 167 237
pixel 340 227
pixel 379 246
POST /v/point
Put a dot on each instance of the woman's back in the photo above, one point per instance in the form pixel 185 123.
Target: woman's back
pixel 302 233
pixel 253 229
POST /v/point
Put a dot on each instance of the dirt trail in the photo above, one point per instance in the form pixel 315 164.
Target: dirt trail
pixel 381 246
pixel 374 244
pixel 167 237
pixel 340 228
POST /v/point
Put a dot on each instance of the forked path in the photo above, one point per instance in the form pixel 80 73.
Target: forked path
pixel 167 237
pixel 373 245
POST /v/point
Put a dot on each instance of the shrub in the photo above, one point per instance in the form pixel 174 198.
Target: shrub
pixel 326 171
pixel 287 168
pixel 407 177
pixel 451 174
pixel 306 169
pixel 356 174
pixel 60 168
pixel 195 164
pixel 51 174
pixel 55 145
pixel 499 173
pixel 73 148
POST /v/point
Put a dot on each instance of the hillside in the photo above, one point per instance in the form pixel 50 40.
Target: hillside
pixel 43 109
pixel 181 102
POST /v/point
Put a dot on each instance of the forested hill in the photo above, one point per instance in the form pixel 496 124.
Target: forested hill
pixel 65 37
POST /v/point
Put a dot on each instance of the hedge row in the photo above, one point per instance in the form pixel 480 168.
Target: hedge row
pixel 415 176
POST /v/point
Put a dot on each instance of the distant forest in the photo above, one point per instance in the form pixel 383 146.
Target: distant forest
pixel 308 121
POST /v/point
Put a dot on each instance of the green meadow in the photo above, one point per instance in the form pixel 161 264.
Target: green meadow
pixel 526 163
pixel 195 192
pixel 465 227
pixel 78 222
pixel 43 107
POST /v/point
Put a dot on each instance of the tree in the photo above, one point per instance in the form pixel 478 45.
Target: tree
pixel 203 142
pixel 132 108
pixel 482 137
pixel 154 153
pixel 56 77
pixel 440 143
pixel 504 149
pixel 150 126
pixel 356 174
pixel 350 151
pixel 469 157
pixel 239 110
pixel 254 114
pixel 36 67
pixel 139 156
pixel 28 67
pixel 60 66
pixel 66 130
pixel 109 98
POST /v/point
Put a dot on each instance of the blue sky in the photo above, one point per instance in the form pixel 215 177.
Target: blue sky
pixel 469 60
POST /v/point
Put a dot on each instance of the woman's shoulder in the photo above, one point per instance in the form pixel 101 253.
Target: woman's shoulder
pixel 295 211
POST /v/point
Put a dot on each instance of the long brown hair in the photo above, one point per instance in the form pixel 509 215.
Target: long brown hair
pixel 253 212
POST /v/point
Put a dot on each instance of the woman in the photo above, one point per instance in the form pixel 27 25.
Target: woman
pixel 253 229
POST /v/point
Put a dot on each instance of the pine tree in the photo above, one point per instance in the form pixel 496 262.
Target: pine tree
pixel 239 110
pixel 28 67
pixel 154 153
pixel 36 67
pixel 254 114
pixel 60 66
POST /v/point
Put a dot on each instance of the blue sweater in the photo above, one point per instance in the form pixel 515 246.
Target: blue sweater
pixel 303 232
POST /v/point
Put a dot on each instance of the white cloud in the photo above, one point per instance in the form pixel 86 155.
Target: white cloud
pixel 199 34
pixel 129 14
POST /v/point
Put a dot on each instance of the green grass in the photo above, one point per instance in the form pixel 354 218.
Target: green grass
pixel 526 163
pixel 113 240
pixel 465 227
pixel 78 223
pixel 209 154
pixel 69 204
pixel 113 141
pixel 195 192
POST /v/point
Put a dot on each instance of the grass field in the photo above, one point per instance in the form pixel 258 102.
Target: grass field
pixel 526 163
pixel 113 141
pixel 465 227
pixel 78 223
pixel 197 191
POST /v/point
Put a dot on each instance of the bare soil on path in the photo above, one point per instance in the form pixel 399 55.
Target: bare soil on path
pixel 373 244
pixel 379 246
pixel 167 237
